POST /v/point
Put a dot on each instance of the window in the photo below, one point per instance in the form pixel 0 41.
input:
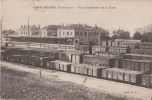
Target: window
pixel 63 33
pixel 97 33
pixel 81 33
pixel 71 33
pixel 59 32
pixel 67 33
pixel 85 33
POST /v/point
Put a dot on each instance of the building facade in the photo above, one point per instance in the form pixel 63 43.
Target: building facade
pixel 26 31
pixel 82 33
pixel 50 30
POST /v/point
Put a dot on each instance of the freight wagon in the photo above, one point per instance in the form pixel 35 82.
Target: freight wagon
pixel 74 57
pixel 85 69
pixel 38 52
pixel 146 45
pixel 65 56
pixel 128 43
pixel 107 43
pixel 99 48
pixel 109 54
pixel 60 65
pixel 98 60
pixel 119 49
pixel 147 79
pixel 137 56
pixel 40 60
pixel 84 49
pixel 17 58
pixel 142 51
pixel 117 63
pixel 122 75
pixel 137 65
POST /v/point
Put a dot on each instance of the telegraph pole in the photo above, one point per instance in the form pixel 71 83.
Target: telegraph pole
pixel 1 31
pixel 28 33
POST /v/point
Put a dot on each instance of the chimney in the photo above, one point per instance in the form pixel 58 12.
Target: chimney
pixel 83 25
pixel 39 26
pixel 96 26
pixel 62 25
pixel 79 25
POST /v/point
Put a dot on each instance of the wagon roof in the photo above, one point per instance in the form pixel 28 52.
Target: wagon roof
pixel 139 55
pixel 98 56
pixel 108 52
pixel 124 71
pixel 137 60
pixel 89 66
pixel 62 62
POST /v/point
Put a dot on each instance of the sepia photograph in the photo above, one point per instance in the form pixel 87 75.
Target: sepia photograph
pixel 76 49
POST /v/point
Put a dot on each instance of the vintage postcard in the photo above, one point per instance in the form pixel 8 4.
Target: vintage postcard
pixel 76 49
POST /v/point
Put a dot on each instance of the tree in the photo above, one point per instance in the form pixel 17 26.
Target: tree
pixel 120 34
pixel 147 37
pixel 137 36
pixel 105 35
pixel 8 32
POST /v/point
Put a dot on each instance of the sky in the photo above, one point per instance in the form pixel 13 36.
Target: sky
pixel 126 14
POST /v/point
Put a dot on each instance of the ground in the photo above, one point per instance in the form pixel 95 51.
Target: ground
pixel 24 82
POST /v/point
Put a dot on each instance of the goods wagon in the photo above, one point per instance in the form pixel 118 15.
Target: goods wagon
pixel 65 56
pixel 25 59
pixel 137 65
pixel 117 63
pixel 142 51
pixel 77 57
pixel 3 54
pixel 107 43
pixel 98 60
pixel 137 56
pixel 119 49
pixel 109 54
pixel 38 52
pixel 86 69
pixel 99 48
pixel 146 45
pixel 17 58
pixel 122 75
pixel 84 49
pixel 60 65
pixel 147 79
pixel 40 60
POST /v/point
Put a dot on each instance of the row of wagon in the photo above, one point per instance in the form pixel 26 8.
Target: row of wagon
pixel 90 65
pixel 115 74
